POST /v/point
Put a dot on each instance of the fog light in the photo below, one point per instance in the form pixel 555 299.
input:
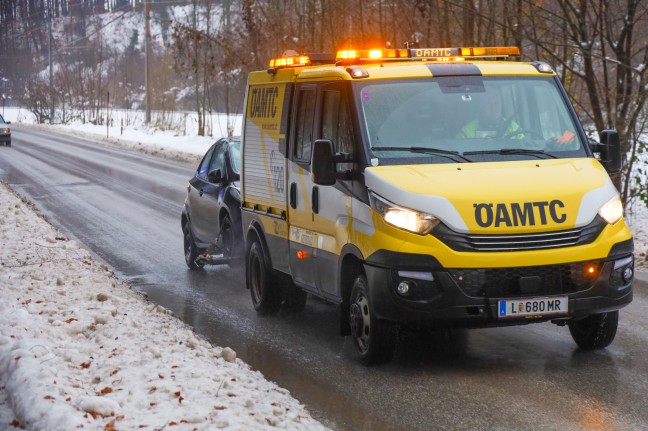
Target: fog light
pixel 627 274
pixel 403 288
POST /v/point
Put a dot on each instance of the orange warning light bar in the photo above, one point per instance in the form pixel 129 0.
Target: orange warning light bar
pixel 352 56
pixel 292 61
pixel 492 51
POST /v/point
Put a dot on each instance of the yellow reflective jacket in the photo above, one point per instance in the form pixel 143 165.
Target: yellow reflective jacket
pixel 470 131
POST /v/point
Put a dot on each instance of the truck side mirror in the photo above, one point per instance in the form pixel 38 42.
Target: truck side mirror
pixel 322 164
pixel 610 151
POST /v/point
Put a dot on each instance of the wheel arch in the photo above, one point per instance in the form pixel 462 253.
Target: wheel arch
pixel 255 233
pixel 351 265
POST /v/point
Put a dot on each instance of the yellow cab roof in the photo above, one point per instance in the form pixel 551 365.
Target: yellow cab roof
pixel 394 70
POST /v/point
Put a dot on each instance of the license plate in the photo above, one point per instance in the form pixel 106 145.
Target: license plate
pixel 526 307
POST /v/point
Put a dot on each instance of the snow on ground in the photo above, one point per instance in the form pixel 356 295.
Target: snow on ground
pixel 80 350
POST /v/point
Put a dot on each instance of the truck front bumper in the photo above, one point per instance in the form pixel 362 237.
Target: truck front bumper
pixel 416 288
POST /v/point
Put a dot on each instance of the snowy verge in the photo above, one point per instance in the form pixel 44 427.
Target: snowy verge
pixel 80 350
pixel 188 150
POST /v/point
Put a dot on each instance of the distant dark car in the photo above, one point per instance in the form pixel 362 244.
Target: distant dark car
pixel 211 216
pixel 5 132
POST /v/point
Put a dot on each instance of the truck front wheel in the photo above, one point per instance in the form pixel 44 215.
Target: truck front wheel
pixel 374 339
pixel 596 331
pixel 265 288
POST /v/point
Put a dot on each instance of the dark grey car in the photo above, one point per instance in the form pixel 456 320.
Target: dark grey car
pixel 211 216
pixel 5 132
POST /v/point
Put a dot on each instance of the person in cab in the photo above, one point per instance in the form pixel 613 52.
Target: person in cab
pixel 491 121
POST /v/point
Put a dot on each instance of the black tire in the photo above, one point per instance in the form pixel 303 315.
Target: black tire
pixel 9 144
pixel 596 331
pixel 191 251
pixel 230 246
pixel 265 288
pixel 227 236
pixel 375 340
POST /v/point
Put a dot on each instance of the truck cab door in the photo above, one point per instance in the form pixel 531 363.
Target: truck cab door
pixel 319 215
pixel 300 215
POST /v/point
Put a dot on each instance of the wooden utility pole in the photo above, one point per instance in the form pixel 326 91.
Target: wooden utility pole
pixel 51 86
pixel 147 82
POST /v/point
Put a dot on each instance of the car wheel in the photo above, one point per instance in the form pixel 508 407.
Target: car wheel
pixel 231 248
pixel 265 288
pixel 375 340
pixel 191 251
pixel 596 331
pixel 8 144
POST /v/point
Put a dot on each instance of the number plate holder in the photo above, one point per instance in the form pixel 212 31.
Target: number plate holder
pixel 532 307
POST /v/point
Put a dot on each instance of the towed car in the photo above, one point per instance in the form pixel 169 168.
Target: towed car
pixel 5 132
pixel 211 215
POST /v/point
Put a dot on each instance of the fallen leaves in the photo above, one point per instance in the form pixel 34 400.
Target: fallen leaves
pixel 105 391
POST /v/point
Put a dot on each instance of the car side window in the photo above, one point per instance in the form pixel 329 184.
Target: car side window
pixel 218 160
pixel 204 165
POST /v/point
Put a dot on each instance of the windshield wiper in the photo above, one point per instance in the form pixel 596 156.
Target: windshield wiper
pixel 453 155
pixel 505 151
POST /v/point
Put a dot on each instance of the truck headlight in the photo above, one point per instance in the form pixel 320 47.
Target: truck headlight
pixel 612 211
pixel 403 218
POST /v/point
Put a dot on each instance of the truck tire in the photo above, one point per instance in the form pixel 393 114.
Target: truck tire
pixel 596 331
pixel 265 288
pixel 191 251
pixel 375 340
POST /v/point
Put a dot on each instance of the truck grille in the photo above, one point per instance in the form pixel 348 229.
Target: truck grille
pixel 519 242
pixel 507 282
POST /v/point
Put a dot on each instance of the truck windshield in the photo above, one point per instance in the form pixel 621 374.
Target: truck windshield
pixel 470 118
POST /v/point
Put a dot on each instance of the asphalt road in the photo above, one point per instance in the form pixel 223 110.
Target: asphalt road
pixel 126 208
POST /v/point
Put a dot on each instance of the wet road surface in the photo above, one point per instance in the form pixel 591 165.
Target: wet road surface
pixel 126 208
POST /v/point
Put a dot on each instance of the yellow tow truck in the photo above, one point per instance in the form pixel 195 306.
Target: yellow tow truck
pixel 430 186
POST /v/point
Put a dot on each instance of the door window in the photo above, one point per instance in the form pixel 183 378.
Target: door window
pixel 336 122
pixel 218 160
pixel 304 129
pixel 204 165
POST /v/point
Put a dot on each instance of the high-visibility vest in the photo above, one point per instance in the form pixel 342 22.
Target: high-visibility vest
pixel 470 130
